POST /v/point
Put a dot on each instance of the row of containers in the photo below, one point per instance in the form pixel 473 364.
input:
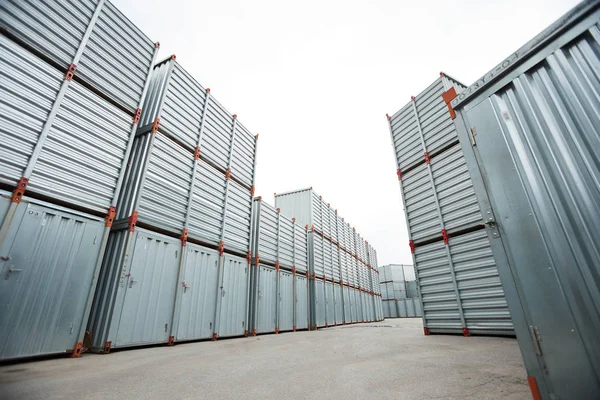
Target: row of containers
pixel 126 189
pixel 399 291
pixel 500 186
pixel 302 280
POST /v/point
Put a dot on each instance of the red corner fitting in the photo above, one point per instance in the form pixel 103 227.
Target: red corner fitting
pixel 412 98
pixel 228 174
pixel 312 228
pixel 466 332
pixel 388 117
pixel 221 247
pixel 294 220
pixel 207 90
pixel 155 125
pixel 256 260
pixel 294 270
pixel 249 257
pixel 214 337
pixel 412 246
pixel 246 333
pixel 70 72
pixel 234 116
pixel 107 347
pixel 278 210
pixel 132 221
pixel 137 116
pixel 445 236
pixel 259 198
pixel 110 216
pixel 427 159
pixel 157 45
pixel 535 391
pixel 171 341
pixel 254 332
pixel 448 96
pixel 197 153
pixel 184 236
pixel 256 136
pixel 399 173
pixel 173 57
pixel 19 190
pixel 442 74
pixel 252 191
pixel 276 330
pixel 294 328
pixel 77 350
pixel 277 265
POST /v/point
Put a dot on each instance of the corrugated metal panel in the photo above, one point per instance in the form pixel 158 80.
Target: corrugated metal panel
pixel 237 218
pixel 454 189
pixel 29 87
pixel 266 306
pixel 402 308
pixel 347 304
pixel 317 249
pixel 147 291
pixel 440 302
pixel 286 301
pixel 320 304
pixel 327 261
pixel 267 234
pixel 234 297
pixel 337 274
pixel 300 248
pixel 54 28
pixel 242 163
pixel 422 215
pixel 355 305
pixel 536 123
pixel 286 242
pixel 330 303
pixel 117 58
pixel 338 304
pixel 301 302
pixel 197 293
pixel 207 204
pixel 164 191
pixel 297 205
pixel 48 266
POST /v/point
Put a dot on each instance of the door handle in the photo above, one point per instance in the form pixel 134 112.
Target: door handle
pixel 11 270
pixel 185 286
pixel 131 282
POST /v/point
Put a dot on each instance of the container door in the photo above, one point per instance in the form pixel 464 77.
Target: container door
pixel 354 305
pixel 234 297
pixel 301 302
pixel 530 144
pixel 339 305
pixel 198 293
pixel 330 304
pixel 410 308
pixel 267 295
pixel 286 301
pixel 147 311
pixel 320 302
pixel 347 310
pixel 47 265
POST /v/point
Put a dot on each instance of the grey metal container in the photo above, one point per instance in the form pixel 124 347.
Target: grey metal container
pixel 190 115
pixel 155 289
pixel 529 131
pixel 49 263
pixel 59 140
pixel 277 239
pixel 110 54
pixel 456 273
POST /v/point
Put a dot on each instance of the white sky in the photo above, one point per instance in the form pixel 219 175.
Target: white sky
pixel 316 78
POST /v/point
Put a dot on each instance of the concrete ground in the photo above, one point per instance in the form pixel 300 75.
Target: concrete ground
pixel 386 360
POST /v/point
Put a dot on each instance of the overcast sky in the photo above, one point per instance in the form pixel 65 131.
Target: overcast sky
pixel 316 78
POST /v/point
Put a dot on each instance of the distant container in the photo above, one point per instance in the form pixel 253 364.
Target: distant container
pixel 532 125
pixel 458 280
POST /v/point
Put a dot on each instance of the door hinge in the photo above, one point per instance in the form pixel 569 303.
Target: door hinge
pixel 472 134
pixel 490 222
pixel 536 338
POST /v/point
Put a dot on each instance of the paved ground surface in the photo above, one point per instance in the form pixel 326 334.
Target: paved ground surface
pixel 385 360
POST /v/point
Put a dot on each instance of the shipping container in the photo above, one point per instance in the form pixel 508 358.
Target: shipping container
pixel 529 132
pixel 71 106
pixel 456 273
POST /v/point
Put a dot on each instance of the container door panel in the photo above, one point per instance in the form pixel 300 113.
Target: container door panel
pixel 198 291
pixel 301 302
pixel 46 273
pixel 286 301
pixel 150 291
pixel 267 306
pixel 234 297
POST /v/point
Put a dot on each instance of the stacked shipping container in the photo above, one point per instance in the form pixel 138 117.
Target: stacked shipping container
pixel 73 76
pixel 399 291
pixel 279 292
pixel 180 248
pixel 340 267
pixel 457 275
